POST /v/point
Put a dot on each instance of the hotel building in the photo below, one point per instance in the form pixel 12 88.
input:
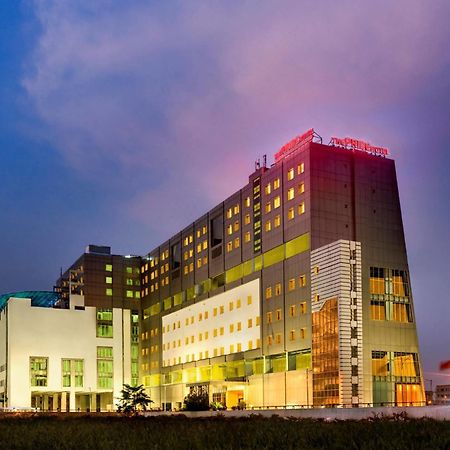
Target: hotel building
pixel 294 291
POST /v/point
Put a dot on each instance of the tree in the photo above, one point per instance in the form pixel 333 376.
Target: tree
pixel 197 399
pixel 133 399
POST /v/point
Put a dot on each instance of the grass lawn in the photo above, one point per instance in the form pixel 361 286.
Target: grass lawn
pixel 178 432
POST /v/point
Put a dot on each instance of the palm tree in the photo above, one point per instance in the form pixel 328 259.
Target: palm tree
pixel 133 399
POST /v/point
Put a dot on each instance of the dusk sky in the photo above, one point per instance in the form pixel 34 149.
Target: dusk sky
pixel 122 121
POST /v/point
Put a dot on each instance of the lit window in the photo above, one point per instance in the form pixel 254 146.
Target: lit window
pixel 276 183
pixel 268 292
pixel 215 332
pixel 239 347
pixel 221 309
pixel 230 229
pixel 231 306
pixel 268 207
pixel 301 208
pixel 205 260
pixel 108 280
pixel 221 331
pixel 268 225
pixel 277 221
pixel 236 209
pixel 301 188
pixel 199 233
pixel 229 246
pixel 316 297
pixel 215 312
pixel 236 225
pixel 239 326
pixel 267 189
pixel 108 267
pixel 250 345
pixel 186 241
pixel 109 292
pixel 129 294
pixel 191 267
pixel 204 229
pixel 278 314
pixel 316 269
pixel 205 244
pixel 269 317
pixel 249 323
pixel 302 333
pixel 236 242
pixel 186 255
pixel 249 300
pixel 231 328
pixel 257 321
pixel 278 289
pixel 247 202
pixel 302 281
pixel 292 311
pixel 186 270
pixel 199 263
pixel 269 340
pixel 278 338
pixel 276 202
pixel 229 213
pixel 292 284
pixel 292 335
pixel 238 303
pixel 290 174
pixel 247 219
pixel 247 236
pixel 301 168
pixel 290 193
pixel 291 213
pixel 191 238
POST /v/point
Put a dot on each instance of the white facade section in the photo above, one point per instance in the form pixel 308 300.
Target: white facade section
pixel 336 273
pixel 223 324
pixel 58 334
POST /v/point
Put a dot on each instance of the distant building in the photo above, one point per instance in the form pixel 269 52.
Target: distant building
pixel 442 394
pixel 294 291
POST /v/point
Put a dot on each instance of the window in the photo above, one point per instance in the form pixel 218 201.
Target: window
pixel 250 345
pixel 301 188
pixel 268 207
pixel 302 281
pixel 277 221
pixel 291 213
pixel 247 202
pixel 269 317
pixel 129 270
pixel 290 193
pixel 108 267
pixel 105 368
pixel 231 306
pixel 109 292
pixel 278 338
pixel 199 263
pixel 238 303
pixel 230 229
pixel 302 333
pixel 249 300
pixel 229 213
pixel 204 229
pixel 221 309
pixel 278 314
pixel 276 202
pixel 236 242
pixel 267 189
pixel 205 244
pixel 268 226
pixel 108 280
pixel 292 335
pixel 268 292
pixel 276 183
pixel 104 323
pixel 290 174
pixel 72 372
pixel 247 236
pixel 236 225
pixel 257 321
pixel 229 246
pixel 278 289
pixel 301 168
pixel 301 208
pixel 236 209
pixel 247 219
pixel 239 347
pixel 269 340
pixel 291 284
pixel 130 294
pixel 303 308
pixel 38 371
pixel 231 328
pixel 221 331
pixel 239 326
pixel 249 323
pixel 292 310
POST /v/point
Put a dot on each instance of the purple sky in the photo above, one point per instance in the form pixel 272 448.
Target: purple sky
pixel 123 121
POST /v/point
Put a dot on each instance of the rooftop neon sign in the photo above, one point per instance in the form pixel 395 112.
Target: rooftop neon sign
pixel 355 144
pixel 294 144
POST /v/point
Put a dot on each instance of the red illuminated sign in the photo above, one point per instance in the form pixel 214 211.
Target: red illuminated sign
pixel 355 144
pixel 297 142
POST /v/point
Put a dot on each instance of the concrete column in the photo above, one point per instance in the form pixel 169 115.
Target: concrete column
pixel 45 402
pixel 72 401
pixel 93 402
pixel 63 401
pixel 55 401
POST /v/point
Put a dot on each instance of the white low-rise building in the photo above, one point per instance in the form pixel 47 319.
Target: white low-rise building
pixel 56 359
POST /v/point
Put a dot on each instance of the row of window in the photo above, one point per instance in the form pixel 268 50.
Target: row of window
pixel 292 284
pixel 109 268
pixel 217 351
pixel 219 310
pixel 128 293
pixel 233 211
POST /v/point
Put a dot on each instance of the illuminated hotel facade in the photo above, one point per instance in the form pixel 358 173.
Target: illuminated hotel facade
pixel 294 291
